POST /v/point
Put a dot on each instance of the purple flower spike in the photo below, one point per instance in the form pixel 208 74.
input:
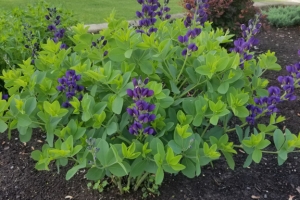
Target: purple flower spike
pixel 69 86
pixel 141 110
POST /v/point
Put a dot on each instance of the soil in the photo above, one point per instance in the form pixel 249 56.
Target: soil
pixel 267 180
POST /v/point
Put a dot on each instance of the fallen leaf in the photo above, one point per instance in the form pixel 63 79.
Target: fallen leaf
pixel 68 197
pixel 241 151
pixel 255 197
pixel 291 197
pixel 298 189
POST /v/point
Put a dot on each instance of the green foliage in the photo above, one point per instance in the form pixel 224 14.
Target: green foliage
pixel 283 16
pixel 195 96
pixel 26 27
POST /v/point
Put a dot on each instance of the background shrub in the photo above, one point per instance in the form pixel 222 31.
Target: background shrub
pixel 228 14
pixel 283 16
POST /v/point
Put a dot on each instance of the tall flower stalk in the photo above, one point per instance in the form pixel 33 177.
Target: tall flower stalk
pixel 141 110
pixel 243 45
pixel 150 10
pixel 55 21
pixel 68 85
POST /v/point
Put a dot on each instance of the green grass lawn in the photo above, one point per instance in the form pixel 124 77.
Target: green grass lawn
pixel 93 11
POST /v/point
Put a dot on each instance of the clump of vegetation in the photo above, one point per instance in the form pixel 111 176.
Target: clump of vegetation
pixel 283 16
pixel 228 14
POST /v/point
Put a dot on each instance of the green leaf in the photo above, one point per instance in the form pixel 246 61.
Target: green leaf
pixel 278 138
pixel 95 174
pixel 101 155
pixel 117 105
pixel 159 176
pixel 117 54
pixel 263 144
pixel 229 160
pixel 189 107
pixel 223 88
pixel 248 161
pixel 190 168
pixel 146 67
pixel 24 120
pixel 174 88
pixel 214 120
pixel 283 154
pixel 257 155
pixel 138 167
pixel 27 136
pixel 128 53
pixel 30 105
pixel 239 132
pixel 112 128
pixel 3 126
pixel 36 154
pixel 118 169
pixel 71 172
pixel 166 102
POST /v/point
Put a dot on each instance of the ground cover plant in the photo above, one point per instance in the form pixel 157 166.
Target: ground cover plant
pixel 283 16
pixel 125 117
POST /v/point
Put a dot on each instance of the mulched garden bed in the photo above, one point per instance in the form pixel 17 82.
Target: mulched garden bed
pixel 19 179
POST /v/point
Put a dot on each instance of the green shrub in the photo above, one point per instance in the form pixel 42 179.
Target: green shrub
pixel 130 106
pixel 283 16
pixel 22 30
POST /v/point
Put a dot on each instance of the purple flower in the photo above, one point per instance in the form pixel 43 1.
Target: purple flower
pixel 188 6
pixel 183 39
pixel 63 46
pixel 4 96
pixel 192 47
pixel 184 52
pixel 149 130
pixel 52 27
pixel 274 91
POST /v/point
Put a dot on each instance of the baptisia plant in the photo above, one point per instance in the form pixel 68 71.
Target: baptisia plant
pixel 126 105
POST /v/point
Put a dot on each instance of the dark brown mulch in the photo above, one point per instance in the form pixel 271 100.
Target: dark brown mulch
pixel 19 179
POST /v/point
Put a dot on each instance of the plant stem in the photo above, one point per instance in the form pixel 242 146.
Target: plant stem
pixel 120 185
pixel 182 68
pixel 124 139
pixel 204 131
pixel 233 129
pixel 140 180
